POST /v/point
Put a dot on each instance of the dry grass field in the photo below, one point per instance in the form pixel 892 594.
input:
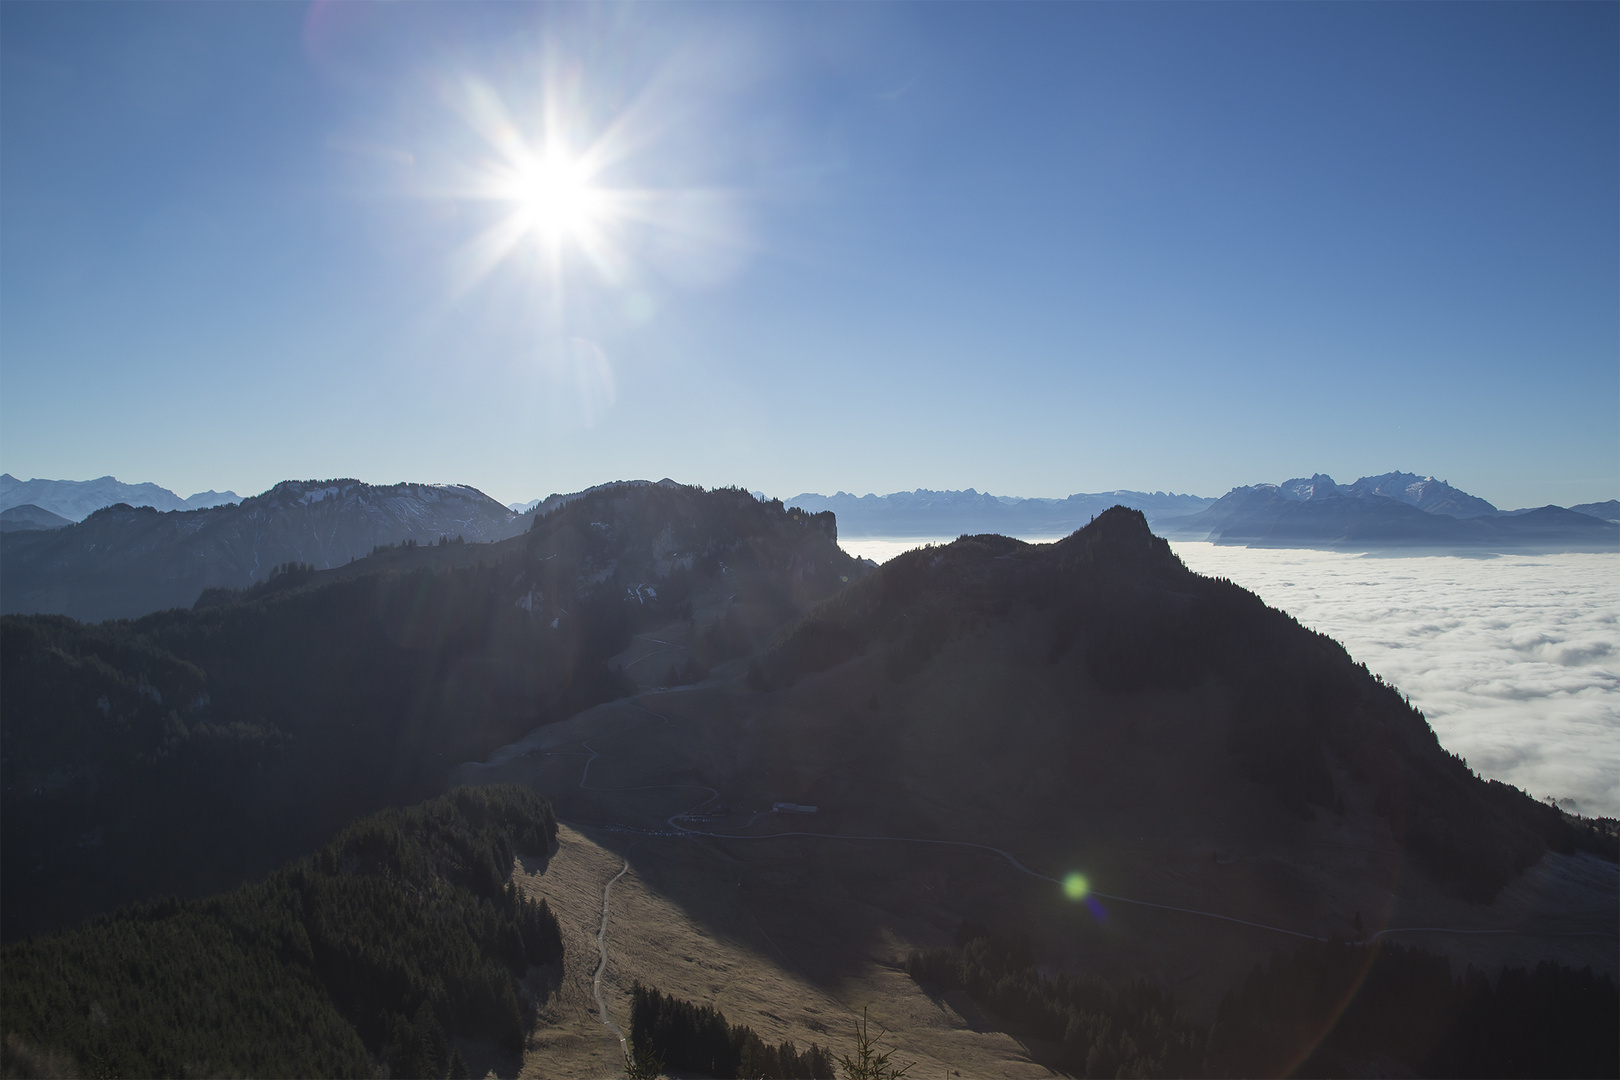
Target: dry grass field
pixel 731 958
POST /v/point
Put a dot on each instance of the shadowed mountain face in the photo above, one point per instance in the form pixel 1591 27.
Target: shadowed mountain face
pixel 123 562
pixel 1097 684
pixel 952 736
pixel 187 750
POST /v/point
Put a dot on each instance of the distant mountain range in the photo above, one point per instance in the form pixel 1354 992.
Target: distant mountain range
pixel 953 513
pixel 1395 509
pixel 1392 510
pixel 76 500
pixel 123 561
pixel 1604 511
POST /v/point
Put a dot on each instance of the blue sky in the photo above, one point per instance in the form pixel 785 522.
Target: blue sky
pixel 1029 249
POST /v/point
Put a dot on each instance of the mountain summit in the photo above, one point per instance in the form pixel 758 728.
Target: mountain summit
pixel 1424 492
pixel 1394 509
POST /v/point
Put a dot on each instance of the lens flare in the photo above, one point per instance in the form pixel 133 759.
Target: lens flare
pixel 1075 886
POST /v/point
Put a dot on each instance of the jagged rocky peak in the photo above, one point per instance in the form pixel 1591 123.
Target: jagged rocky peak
pixel 1118 535
pixel 1424 492
pixel 1319 486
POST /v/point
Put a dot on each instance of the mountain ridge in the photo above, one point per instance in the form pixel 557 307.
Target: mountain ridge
pixel 124 561
pixel 1395 510
pixel 925 512
pixel 78 499
pixel 289 706
pixel 1114 607
pixel 1254 514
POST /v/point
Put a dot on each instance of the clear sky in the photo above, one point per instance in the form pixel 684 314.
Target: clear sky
pixel 1029 249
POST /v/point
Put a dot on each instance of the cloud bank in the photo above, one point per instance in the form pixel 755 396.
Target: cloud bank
pixel 1515 660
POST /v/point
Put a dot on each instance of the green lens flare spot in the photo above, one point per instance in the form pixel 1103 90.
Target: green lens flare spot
pixel 1075 886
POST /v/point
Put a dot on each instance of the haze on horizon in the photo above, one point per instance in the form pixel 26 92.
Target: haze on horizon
pixel 1031 250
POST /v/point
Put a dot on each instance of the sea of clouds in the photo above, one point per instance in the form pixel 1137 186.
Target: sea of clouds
pixel 1514 659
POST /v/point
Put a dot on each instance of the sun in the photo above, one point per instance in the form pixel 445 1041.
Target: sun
pixel 555 198
pixel 558 203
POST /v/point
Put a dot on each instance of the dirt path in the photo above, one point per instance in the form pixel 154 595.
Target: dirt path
pixel 570 1039
pixel 602 962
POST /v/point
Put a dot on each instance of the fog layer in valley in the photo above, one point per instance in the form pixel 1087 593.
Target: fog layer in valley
pixel 1515 659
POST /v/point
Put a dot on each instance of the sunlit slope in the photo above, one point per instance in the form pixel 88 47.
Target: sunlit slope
pixel 706 926
pixel 1094 694
pixel 190 749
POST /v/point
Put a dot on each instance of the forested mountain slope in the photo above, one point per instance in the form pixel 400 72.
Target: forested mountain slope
pixel 1097 684
pixel 402 933
pixel 191 749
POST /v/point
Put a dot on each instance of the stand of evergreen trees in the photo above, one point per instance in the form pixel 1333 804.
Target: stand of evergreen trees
pixel 1089 1029
pixel 1326 1009
pixel 402 933
pixel 1337 1009
pixel 697 1039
